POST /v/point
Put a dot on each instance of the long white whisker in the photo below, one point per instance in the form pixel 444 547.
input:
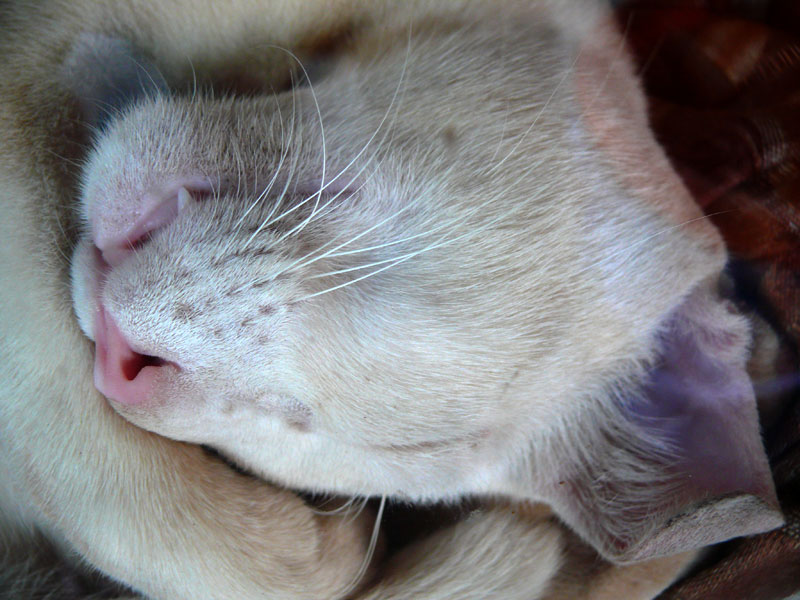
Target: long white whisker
pixel 373 542
pixel 366 146
pixel 194 78
pixel 445 242
pixel 321 126
pixel 299 262
pixel 400 82
pixel 393 242
pixel 360 235
pixel 439 243
pixel 344 508
pixel 321 210
pixel 285 144
pixel 394 262
pixel 292 166
pixel 502 133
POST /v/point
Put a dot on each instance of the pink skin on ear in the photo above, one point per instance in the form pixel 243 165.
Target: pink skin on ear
pixel 702 406
pixel 682 465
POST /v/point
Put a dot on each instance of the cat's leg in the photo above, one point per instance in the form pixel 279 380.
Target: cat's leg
pixel 133 512
pixel 588 577
pixel 518 552
pixel 497 553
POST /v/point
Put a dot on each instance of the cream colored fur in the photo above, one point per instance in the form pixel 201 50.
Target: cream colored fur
pixel 498 157
pixel 401 343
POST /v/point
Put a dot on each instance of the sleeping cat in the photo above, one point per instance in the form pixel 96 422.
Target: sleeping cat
pixel 448 260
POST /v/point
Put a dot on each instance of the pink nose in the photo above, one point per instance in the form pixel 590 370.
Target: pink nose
pixel 120 373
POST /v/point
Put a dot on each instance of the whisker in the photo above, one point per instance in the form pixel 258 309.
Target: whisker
pixel 366 146
pixel 354 192
pixel 373 542
pixel 63 237
pixel 652 236
pixel 653 54
pixel 146 71
pixel 278 201
pixel 445 242
pixel 194 78
pixel 392 243
pixel 266 222
pixel 260 196
pixel 321 126
pixel 380 262
pixel 344 508
pixel 301 265
pixel 441 242
pixel 69 161
pixel 240 168
pixel 354 515
pixel 285 147
pixel 454 223
pixel 502 133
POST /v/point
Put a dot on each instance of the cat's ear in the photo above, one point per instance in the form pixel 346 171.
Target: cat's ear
pixel 107 74
pixel 681 464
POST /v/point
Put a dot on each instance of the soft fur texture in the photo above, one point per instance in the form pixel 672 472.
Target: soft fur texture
pixel 455 263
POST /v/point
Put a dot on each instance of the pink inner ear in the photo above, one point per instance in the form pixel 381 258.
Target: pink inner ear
pixel 705 477
pixel 701 401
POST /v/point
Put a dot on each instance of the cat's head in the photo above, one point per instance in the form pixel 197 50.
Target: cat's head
pixel 443 268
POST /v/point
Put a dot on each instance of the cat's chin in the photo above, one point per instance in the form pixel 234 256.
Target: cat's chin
pixel 418 474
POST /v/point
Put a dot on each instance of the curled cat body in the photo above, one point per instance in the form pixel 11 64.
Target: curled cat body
pixel 449 260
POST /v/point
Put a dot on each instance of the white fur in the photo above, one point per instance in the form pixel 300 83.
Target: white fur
pixel 431 377
pixel 498 246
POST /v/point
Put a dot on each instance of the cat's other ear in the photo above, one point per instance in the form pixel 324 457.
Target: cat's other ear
pixel 678 462
pixel 106 75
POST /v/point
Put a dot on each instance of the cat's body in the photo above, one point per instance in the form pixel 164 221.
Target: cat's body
pixel 456 263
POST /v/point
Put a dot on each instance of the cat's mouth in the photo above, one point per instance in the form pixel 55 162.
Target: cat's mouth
pixel 121 373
